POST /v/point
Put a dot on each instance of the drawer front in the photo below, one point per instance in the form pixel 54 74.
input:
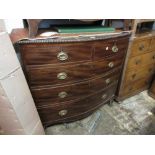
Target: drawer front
pixel 74 91
pixel 43 54
pixel 66 110
pixel 62 93
pixel 135 74
pixel 140 47
pixel 108 64
pixel 60 74
pixel 152 46
pixel 132 87
pixel 139 61
pixel 104 49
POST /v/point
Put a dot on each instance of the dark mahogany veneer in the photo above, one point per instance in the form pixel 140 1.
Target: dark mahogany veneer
pixel 70 80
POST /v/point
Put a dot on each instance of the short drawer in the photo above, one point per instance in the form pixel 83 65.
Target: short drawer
pixel 74 91
pixel 139 61
pixel 54 113
pixel 140 47
pixel 108 48
pixel 43 54
pixel 139 73
pixel 108 64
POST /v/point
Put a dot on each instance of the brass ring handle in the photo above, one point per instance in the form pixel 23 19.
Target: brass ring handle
pixel 63 112
pixel 107 81
pixel 111 64
pixel 62 94
pixel 62 76
pixel 104 96
pixel 115 49
pixel 141 47
pixel 62 56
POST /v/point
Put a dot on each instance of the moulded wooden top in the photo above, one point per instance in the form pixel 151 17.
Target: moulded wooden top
pixel 21 34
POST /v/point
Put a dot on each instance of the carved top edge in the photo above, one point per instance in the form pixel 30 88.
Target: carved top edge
pixel 76 39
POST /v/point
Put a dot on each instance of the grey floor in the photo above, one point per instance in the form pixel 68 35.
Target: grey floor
pixel 131 117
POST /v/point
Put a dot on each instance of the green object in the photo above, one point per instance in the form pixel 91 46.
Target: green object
pixel 79 29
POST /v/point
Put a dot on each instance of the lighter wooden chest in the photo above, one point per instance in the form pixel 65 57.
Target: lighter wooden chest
pixel 139 68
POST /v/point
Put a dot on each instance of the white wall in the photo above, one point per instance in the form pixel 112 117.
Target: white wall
pixel 13 23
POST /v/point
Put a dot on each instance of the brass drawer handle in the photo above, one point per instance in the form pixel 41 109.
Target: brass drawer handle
pixel 153 57
pixel 150 70
pixel 107 81
pixel 137 62
pixel 115 49
pixel 130 88
pixel 63 112
pixel 104 96
pixel 111 64
pixel 62 94
pixel 62 76
pixel 62 56
pixel 133 76
pixel 141 47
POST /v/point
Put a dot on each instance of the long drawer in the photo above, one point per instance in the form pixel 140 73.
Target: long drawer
pixel 51 75
pixel 43 54
pixel 74 91
pixel 64 111
pixel 142 60
pixel 139 73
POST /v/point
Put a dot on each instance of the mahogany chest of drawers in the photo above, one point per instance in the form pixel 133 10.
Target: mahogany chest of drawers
pixel 140 67
pixel 70 79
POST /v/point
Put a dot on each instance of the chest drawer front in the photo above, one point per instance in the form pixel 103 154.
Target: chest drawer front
pixel 59 75
pixel 74 91
pixel 135 74
pixel 56 53
pixel 136 86
pixel 107 64
pixel 104 49
pixel 140 47
pixel 62 93
pixel 101 82
pixel 69 109
pixel 139 61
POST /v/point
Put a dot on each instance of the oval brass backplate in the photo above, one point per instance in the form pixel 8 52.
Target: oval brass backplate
pixel 115 49
pixel 104 96
pixel 62 94
pixel 63 112
pixel 107 81
pixel 111 64
pixel 62 76
pixel 62 56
